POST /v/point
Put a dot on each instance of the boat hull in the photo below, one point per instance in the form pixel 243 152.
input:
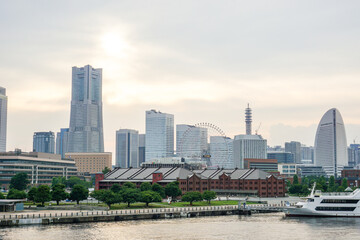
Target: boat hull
pixel 304 212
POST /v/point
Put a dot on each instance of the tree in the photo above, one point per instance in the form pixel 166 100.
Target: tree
pixel 107 196
pixel 209 195
pixel 331 187
pixel 16 194
pixel 145 186
pixel 159 189
pixel 2 196
pixel 106 170
pixel 43 194
pixel 344 183
pixel 31 194
pixel 58 193
pixel 115 188
pixel 173 190
pixel 191 197
pixel 149 197
pixel 295 180
pixel 79 193
pixel 58 180
pixel 130 195
pixel 72 181
pixel 128 185
pixel 19 181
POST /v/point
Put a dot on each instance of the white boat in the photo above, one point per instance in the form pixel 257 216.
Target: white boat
pixel 332 205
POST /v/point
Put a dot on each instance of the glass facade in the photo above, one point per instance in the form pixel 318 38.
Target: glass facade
pixel 44 142
pixel 3 119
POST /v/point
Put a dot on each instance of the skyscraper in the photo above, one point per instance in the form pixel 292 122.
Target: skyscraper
pixel 127 148
pixel 3 119
pixel 86 121
pixel 295 148
pixel 159 139
pixel 62 140
pixel 248 146
pixel 330 143
pixel 191 141
pixel 44 142
pixel 141 148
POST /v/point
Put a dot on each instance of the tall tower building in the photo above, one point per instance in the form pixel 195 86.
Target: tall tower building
pixel 159 137
pixel 248 120
pixel 44 142
pixel 86 121
pixel 295 148
pixel 141 148
pixel 62 139
pixel 3 119
pixel 330 143
pixel 127 148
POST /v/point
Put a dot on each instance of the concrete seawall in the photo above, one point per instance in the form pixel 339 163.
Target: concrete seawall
pixel 126 215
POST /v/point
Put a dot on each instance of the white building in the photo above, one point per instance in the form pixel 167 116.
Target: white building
pixel 3 119
pixel 248 146
pixel 221 152
pixel 191 141
pixel 86 121
pixel 159 136
pixel 287 169
pixel 127 148
pixel 330 143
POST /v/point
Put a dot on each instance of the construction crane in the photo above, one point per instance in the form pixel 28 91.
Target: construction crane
pixel 256 131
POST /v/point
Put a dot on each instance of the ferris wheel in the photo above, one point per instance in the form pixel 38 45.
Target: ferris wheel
pixel 206 142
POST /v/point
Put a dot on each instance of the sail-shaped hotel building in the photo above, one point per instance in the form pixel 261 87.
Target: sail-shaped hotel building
pixel 330 143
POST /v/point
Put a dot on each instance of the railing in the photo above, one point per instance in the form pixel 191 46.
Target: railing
pixel 141 211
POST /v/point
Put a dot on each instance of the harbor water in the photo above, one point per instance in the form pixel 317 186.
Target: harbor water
pixel 257 226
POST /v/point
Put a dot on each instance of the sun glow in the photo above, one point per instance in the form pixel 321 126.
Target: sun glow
pixel 114 45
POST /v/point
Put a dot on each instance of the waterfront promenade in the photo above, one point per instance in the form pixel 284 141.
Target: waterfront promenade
pixel 61 217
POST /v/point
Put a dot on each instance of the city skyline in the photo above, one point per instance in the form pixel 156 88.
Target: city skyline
pixel 201 70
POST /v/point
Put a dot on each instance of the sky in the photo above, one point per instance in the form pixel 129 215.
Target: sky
pixel 202 61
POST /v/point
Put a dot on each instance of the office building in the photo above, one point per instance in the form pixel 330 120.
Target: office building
pixel 221 152
pixel 86 120
pixel 141 148
pixel 248 146
pixel 281 157
pixel 91 162
pixel 294 148
pixel 159 137
pixel 191 141
pixel 44 142
pixel 62 140
pixel 3 119
pixel 307 153
pixel 354 155
pixel 330 143
pixel 41 168
pixel 287 169
pixel 268 165
pixel 127 148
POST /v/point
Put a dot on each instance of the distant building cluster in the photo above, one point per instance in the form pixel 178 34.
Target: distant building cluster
pixel 164 144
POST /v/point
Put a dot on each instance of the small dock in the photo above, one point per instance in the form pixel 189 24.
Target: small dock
pixel 135 214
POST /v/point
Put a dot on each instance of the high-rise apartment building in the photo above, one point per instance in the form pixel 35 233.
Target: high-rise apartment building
pixel 62 140
pixel 307 153
pixel 44 142
pixel 86 121
pixel 248 146
pixel 191 141
pixel 127 148
pixel 330 143
pixel 3 119
pixel 141 148
pixel 295 148
pixel 159 138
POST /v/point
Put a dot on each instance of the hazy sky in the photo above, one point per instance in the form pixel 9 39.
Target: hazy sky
pixel 202 61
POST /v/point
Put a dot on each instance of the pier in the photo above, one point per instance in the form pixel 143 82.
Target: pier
pixel 133 214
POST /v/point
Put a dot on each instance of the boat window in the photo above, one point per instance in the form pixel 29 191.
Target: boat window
pixel 347 209
pixel 351 201
pixel 310 200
